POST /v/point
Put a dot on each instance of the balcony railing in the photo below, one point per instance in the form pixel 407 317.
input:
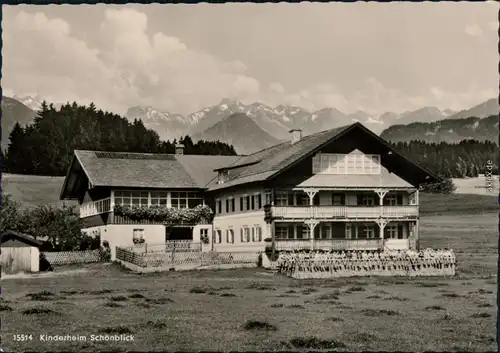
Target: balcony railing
pixel 96 207
pixel 328 244
pixel 344 212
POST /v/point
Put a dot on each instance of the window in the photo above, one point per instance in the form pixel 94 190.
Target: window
pixel 259 201
pixel 368 232
pixel 353 163
pixel 391 200
pixel 391 232
pixel 367 200
pixel 179 199
pixel 159 198
pixel 253 202
pixel 219 206
pixel 338 199
pixel 230 236
pixel 268 197
pixel 305 234
pixel 302 199
pixel 138 236
pixel 281 232
pixel 281 199
pixel 257 234
pixel 218 236
pixel 245 234
pixel 326 231
pixel 233 205
pixel 131 198
pixel 204 235
pixel 223 176
pixel 227 206
pixel 241 203
pixel 247 203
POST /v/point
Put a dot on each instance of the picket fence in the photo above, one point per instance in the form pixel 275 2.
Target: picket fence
pixel 72 257
pixel 183 259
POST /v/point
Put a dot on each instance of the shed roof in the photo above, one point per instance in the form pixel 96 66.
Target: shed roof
pixel 24 238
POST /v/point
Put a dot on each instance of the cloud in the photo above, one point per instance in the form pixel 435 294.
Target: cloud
pixel 473 30
pixel 133 65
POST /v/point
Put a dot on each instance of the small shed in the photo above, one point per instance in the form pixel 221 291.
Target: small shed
pixel 19 252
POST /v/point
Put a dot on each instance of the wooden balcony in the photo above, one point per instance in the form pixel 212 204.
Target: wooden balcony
pixel 94 208
pixel 328 244
pixel 343 212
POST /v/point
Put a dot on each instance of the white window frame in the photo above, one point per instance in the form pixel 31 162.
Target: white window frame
pixel 392 200
pixel 268 197
pixel 281 198
pixel 141 196
pixel 281 231
pixel 159 198
pixel 257 233
pixel 353 163
pixel 218 236
pixel 328 228
pixel 334 203
pixel 368 232
pixel 306 232
pixel 230 236
pixel 245 234
pixel 138 233
pixel 368 200
pixel 392 231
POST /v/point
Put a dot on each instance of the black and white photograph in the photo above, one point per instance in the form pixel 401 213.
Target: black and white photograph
pixel 249 177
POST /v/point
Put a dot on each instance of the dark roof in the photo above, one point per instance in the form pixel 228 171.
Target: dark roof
pixel 24 238
pixel 270 162
pixel 143 170
pixel 146 170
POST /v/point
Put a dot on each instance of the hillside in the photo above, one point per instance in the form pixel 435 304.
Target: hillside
pixel 447 130
pixel 240 131
pixel 13 111
pixel 483 110
pixel 34 190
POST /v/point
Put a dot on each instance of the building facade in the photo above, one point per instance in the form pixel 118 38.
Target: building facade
pixel 338 189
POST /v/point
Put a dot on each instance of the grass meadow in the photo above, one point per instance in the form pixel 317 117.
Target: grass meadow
pixel 254 309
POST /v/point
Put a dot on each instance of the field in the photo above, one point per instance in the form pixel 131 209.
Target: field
pixel 253 309
pixel 476 185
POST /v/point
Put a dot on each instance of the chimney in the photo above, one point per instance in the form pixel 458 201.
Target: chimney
pixel 179 149
pixel 296 135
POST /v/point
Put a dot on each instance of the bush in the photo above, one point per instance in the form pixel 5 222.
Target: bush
pixel 447 186
pixel 60 226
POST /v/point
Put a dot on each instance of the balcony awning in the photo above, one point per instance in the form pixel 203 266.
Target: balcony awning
pixel 384 180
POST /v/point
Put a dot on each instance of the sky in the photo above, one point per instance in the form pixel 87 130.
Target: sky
pixel 375 57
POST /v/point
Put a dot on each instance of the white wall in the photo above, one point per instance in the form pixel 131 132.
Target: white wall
pixel 35 259
pixel 236 222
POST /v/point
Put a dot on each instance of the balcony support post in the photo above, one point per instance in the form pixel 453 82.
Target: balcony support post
pixel 381 223
pixel 381 194
pixel 311 193
pixel 311 223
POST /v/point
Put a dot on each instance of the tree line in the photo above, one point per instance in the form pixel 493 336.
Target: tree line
pixel 46 146
pixel 468 158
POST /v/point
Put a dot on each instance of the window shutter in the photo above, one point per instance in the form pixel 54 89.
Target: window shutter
pixel 400 231
pixel 316 200
pixel 360 200
pixel 400 199
pixel 241 233
pixel 253 234
pixel 290 231
pixel 259 201
pixel 377 232
pixel 342 201
pixel 290 199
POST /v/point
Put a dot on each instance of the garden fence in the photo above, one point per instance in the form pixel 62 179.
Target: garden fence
pixel 183 258
pixel 73 257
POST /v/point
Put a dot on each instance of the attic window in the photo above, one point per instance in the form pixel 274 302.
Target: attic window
pixel 223 176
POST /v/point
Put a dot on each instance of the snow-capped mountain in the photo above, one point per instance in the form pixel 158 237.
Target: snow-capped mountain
pixel 33 103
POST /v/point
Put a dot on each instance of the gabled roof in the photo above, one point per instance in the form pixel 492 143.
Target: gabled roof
pixel 269 163
pixel 272 160
pixel 143 170
pixel 24 238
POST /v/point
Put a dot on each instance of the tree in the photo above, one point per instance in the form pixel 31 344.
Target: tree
pixel 9 214
pixel 447 186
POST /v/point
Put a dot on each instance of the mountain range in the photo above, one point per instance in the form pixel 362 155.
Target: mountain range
pixel 231 121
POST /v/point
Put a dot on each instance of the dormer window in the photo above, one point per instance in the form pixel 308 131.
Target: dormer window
pixel 223 176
